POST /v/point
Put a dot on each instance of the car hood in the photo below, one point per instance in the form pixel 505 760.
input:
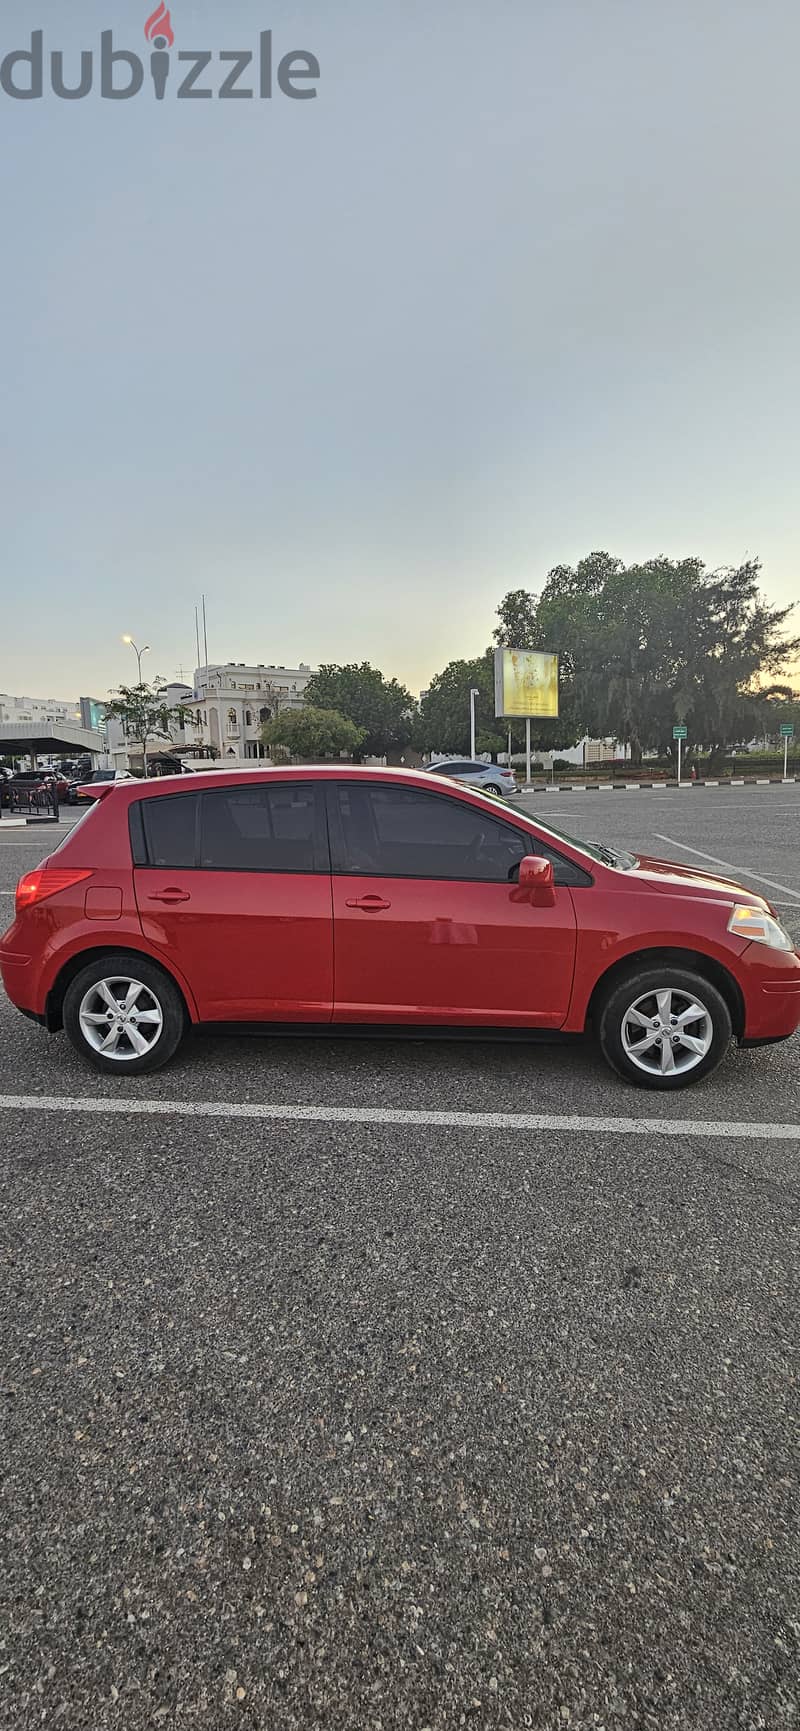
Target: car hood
pixel 673 879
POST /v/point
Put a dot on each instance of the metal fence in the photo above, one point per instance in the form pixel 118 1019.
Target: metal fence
pixel 37 800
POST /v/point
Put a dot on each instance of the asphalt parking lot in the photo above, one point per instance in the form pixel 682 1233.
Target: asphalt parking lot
pixel 387 1386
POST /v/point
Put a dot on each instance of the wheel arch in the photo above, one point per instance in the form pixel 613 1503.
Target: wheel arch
pixel 706 966
pixel 54 1009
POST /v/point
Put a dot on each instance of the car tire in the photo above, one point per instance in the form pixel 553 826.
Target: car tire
pixel 649 1036
pixel 156 1016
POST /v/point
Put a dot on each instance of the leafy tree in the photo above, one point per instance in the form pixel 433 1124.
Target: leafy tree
pixel 443 723
pixel 647 645
pixel 144 714
pixel 740 641
pixel 313 733
pixel 518 627
pixel 381 708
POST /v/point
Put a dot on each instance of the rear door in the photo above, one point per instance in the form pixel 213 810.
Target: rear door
pixel 429 923
pixel 234 882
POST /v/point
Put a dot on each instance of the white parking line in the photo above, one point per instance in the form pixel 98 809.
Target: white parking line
pixel 516 1121
pixel 737 870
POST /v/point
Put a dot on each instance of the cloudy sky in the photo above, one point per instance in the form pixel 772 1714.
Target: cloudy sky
pixel 521 282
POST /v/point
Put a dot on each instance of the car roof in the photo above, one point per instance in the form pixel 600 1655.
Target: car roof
pixel 195 780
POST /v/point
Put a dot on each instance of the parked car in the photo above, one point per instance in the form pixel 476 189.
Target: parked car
pixel 218 900
pixel 492 777
pixel 38 780
pixel 61 780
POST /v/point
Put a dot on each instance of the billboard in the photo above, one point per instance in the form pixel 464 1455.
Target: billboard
pixel 525 683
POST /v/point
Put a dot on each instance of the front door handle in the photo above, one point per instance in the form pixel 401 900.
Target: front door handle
pixel 368 904
pixel 169 896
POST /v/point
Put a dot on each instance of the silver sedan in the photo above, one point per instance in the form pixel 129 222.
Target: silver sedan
pixel 489 777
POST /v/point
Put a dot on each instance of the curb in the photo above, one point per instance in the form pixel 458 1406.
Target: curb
pixel 26 822
pixel 651 786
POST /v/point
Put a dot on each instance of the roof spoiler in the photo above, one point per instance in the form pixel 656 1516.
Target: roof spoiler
pixel 98 789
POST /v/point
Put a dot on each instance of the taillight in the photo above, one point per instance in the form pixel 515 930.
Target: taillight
pixel 37 886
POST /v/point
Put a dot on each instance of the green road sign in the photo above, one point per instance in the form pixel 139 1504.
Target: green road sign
pixel 679 732
pixel 787 730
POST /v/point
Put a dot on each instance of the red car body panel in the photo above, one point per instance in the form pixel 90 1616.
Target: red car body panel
pixel 256 948
pixel 449 952
pixel 251 946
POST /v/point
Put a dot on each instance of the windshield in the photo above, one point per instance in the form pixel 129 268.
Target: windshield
pixel 600 850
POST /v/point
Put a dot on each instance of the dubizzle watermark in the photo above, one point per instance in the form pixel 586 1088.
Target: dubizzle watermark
pixel 198 74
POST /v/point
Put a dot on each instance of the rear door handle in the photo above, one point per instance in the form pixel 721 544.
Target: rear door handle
pixel 368 904
pixel 169 896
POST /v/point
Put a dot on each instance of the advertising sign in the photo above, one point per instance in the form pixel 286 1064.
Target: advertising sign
pixel 525 683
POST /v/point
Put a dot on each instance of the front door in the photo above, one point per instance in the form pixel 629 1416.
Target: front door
pixel 429 924
pixel 234 884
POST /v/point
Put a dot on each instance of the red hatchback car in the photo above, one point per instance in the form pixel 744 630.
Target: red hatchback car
pixel 333 897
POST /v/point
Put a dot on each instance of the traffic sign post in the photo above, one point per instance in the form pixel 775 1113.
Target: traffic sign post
pixel 787 731
pixel 679 732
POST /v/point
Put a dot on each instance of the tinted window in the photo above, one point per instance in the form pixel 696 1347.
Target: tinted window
pixel 260 829
pixel 566 872
pixel 405 832
pixel 170 829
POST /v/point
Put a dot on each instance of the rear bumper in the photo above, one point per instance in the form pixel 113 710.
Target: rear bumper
pixel 19 979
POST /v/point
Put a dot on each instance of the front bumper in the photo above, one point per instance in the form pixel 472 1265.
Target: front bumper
pixel 772 994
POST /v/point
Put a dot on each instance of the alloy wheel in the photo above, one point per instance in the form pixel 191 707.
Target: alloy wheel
pixel 667 1032
pixel 120 1017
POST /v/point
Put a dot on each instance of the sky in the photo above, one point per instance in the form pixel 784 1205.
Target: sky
pixel 520 282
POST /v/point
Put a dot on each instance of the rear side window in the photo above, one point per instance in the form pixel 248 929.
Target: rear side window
pixel 260 829
pixel 239 828
pixel 170 828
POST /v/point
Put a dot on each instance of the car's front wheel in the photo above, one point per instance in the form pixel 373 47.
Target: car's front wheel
pixel 124 1015
pixel 664 1027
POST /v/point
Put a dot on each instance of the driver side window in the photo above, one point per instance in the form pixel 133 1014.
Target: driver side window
pixel 408 832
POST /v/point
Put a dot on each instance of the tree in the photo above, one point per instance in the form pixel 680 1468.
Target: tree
pixel 648 645
pixel 774 706
pixel 382 708
pixel 518 622
pixel 144 714
pixel 443 723
pixel 313 733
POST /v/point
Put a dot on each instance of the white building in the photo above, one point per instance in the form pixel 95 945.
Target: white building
pixel 16 710
pixel 126 753
pixel 231 703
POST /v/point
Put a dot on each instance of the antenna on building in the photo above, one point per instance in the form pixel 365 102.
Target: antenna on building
pixel 205 636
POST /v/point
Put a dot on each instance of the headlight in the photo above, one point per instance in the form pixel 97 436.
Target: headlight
pixel 759 928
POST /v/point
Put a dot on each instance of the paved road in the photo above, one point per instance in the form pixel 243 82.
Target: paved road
pixel 379 1426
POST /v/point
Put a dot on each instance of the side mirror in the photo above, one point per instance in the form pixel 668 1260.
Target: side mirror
pixel 537 880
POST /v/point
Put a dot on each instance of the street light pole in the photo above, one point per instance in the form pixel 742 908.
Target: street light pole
pixel 475 692
pixel 138 653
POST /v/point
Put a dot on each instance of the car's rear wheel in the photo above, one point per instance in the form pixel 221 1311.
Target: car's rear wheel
pixel 124 1015
pixel 664 1027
